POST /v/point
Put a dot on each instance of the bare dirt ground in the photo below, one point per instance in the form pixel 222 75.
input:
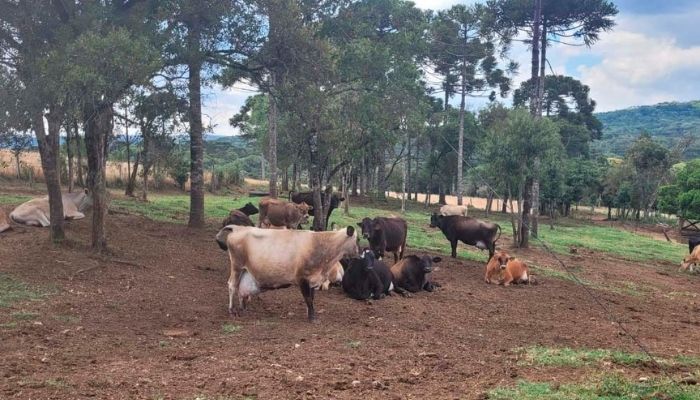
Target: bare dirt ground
pixel 147 322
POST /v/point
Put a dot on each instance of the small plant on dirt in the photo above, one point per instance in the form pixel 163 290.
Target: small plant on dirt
pixel 353 344
pixel 8 325
pixel 71 319
pixel 230 328
pixel 163 343
pixel 24 315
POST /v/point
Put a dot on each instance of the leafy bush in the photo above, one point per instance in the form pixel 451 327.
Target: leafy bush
pixel 683 196
pixel 180 171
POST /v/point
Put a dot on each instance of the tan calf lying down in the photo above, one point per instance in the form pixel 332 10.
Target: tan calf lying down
pixel 453 210
pixel 503 269
pixel 281 258
pixel 4 222
pixel 35 212
pixel 691 259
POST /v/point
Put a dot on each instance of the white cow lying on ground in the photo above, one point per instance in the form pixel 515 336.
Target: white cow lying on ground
pixel 35 212
pixel 453 210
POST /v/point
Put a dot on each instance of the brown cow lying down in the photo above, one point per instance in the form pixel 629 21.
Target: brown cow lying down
pixel 503 269
pixel 35 212
pixel 281 258
pixel 691 259
pixel 4 222
pixel 448 209
pixel 412 274
pixel 280 213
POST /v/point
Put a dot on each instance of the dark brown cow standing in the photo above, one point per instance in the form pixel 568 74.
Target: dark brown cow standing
pixel 241 216
pixel 692 242
pixel 385 234
pixel 282 214
pixel 469 230
pixel 308 198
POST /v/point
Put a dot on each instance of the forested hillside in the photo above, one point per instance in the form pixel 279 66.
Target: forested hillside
pixel 666 122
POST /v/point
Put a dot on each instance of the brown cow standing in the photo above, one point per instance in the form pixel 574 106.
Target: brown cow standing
pixel 691 259
pixel 282 214
pixel 503 269
pixel 385 234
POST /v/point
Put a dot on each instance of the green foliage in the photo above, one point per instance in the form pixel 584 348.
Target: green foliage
pixel 667 123
pixel 13 291
pixel 609 388
pixel 179 170
pixel 682 198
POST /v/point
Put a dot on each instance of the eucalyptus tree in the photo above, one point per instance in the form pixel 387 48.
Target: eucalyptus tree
pixel 466 46
pixel 202 37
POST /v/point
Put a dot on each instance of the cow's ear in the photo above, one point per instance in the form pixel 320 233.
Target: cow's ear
pixel 359 224
pixel 350 231
pixel 511 258
pixel 437 259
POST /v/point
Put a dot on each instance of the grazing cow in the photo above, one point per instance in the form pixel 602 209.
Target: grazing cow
pixel 385 234
pixel 241 216
pixel 503 269
pixel 411 274
pixel 361 281
pixel 692 259
pixel 335 276
pixel 36 212
pixel 453 210
pixel 469 230
pixel 4 222
pixel 693 242
pixel 281 258
pixel 308 198
pixel 280 213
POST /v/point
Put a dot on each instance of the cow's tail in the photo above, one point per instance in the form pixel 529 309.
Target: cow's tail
pixel 499 234
pixel 223 235
pixel 290 195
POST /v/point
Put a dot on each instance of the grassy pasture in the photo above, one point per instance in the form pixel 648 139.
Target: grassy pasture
pixel 567 232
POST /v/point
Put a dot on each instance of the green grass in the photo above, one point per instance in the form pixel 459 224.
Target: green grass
pixel 175 208
pixel 568 357
pixel 609 388
pixel 12 291
pixel 230 328
pixel 13 199
pixel 353 344
pixel 24 315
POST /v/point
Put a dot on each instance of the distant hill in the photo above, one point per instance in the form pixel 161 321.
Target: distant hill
pixel 666 122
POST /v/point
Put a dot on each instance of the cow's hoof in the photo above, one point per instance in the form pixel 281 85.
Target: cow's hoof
pixel 406 294
pixel 314 320
pixel 233 313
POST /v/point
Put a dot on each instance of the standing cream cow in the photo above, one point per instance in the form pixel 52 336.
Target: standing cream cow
pixel 449 209
pixel 4 222
pixel 35 212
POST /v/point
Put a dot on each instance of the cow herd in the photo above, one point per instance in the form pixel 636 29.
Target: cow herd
pixel 264 259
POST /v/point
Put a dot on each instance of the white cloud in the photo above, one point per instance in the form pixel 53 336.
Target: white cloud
pixel 638 69
pixel 219 105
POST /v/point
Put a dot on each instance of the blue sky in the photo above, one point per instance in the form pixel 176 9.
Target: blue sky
pixel 651 56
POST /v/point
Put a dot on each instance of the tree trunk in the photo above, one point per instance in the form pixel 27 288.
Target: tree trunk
pixel 131 179
pixel 504 206
pixel 347 177
pixel 381 175
pixel 129 186
pixel 272 133
pixel 408 167
pixel 316 184
pixel 194 86
pixel 404 178
pixel 441 196
pixel 19 176
pixel 79 152
pixel 294 177
pixel 460 147
pixel 489 203
pixel 525 204
pixel 98 126
pixel 49 152
pixel 69 154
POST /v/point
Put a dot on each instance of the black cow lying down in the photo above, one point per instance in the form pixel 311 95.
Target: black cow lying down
pixel 366 277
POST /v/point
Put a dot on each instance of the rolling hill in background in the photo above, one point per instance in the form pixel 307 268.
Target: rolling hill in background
pixel 665 122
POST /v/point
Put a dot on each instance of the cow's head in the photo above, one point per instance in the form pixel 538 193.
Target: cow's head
pixel 502 258
pixel 368 259
pixel 426 263
pixel 688 261
pixel 335 201
pixel 435 220
pixel 366 227
pixel 249 209
pixel 304 211
pixel 349 247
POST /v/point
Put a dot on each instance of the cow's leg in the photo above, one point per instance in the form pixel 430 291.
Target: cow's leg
pixel 308 292
pixel 43 220
pixel 428 286
pixel 454 248
pixel 396 257
pixel 234 281
pixel 403 292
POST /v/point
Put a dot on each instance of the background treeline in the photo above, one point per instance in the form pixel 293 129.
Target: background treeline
pixel 366 96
